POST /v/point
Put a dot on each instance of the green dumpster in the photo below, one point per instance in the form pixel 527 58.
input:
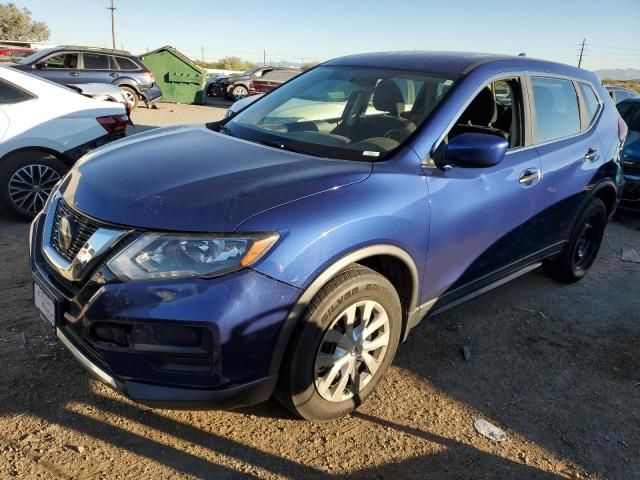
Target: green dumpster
pixel 180 80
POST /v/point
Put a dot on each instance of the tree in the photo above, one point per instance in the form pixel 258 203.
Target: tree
pixel 233 63
pixel 16 24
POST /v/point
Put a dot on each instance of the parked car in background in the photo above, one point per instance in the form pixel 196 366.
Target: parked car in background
pixel 271 80
pixel 12 53
pixel 236 86
pixel 620 93
pixel 102 91
pixel 630 111
pixel 267 254
pixel 44 129
pixel 68 64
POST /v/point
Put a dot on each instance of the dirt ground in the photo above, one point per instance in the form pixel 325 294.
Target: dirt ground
pixel 557 367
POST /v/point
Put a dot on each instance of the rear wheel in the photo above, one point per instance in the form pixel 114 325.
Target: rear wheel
pixel 130 95
pixel 584 244
pixel 26 181
pixel 347 339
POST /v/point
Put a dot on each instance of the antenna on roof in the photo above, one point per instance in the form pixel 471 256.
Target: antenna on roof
pixel 522 54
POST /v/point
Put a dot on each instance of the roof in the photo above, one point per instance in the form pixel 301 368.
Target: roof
pixel 93 49
pixel 452 64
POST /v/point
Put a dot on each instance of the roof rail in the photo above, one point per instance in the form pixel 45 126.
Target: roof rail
pixel 97 49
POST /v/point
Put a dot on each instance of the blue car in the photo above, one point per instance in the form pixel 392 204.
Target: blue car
pixel 630 111
pixel 290 248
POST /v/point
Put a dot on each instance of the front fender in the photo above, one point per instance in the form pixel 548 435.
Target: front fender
pixel 388 208
pixel 386 214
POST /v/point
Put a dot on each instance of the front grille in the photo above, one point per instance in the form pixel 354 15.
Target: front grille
pixel 84 228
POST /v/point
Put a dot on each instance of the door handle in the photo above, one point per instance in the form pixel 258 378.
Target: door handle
pixel 74 74
pixel 529 177
pixel 591 155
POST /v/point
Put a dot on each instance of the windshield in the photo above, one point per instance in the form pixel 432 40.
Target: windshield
pixel 251 71
pixel 35 56
pixel 357 113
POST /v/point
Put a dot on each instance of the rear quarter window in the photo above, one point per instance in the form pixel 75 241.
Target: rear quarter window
pixel 556 104
pixel 591 101
pixel 126 63
pixel 12 94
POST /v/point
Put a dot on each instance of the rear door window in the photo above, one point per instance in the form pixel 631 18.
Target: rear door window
pixel 95 61
pixel 61 60
pixel 556 104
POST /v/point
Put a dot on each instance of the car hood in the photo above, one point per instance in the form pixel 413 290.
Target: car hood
pixel 192 179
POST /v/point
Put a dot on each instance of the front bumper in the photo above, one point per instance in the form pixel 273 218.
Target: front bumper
pixel 152 95
pixel 241 314
pixel 171 397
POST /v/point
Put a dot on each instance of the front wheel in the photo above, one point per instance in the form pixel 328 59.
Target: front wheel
pixel 347 339
pixel 582 249
pixel 239 92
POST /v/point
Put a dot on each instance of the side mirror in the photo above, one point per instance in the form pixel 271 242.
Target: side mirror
pixel 476 150
pixel 39 65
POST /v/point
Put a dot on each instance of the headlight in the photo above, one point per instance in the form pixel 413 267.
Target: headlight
pixel 160 255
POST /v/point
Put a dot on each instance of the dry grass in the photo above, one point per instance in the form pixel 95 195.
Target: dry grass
pixel 630 84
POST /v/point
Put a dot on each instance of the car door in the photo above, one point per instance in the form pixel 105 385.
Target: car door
pixel 60 67
pixel 483 220
pixel 569 151
pixel 95 68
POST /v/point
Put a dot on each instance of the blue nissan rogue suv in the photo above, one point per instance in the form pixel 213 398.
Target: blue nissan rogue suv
pixel 289 248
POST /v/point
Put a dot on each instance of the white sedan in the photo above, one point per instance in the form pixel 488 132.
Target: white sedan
pixel 44 129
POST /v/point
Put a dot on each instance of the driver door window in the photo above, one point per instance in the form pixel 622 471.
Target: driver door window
pixel 66 60
pixel 495 110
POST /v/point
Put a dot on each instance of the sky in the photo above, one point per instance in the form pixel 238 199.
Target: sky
pixel 312 31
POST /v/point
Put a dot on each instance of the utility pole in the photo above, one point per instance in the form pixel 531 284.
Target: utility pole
pixel 264 58
pixel 581 52
pixel 203 54
pixel 113 23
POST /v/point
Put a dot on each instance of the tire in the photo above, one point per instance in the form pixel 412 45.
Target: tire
pixel 584 243
pixel 321 345
pixel 26 180
pixel 238 92
pixel 131 96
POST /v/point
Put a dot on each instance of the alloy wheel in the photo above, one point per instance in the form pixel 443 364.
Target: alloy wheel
pixel 351 351
pixel 31 185
pixel 239 92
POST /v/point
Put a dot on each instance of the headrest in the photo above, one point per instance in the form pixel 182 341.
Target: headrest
pixel 482 110
pixel 387 97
